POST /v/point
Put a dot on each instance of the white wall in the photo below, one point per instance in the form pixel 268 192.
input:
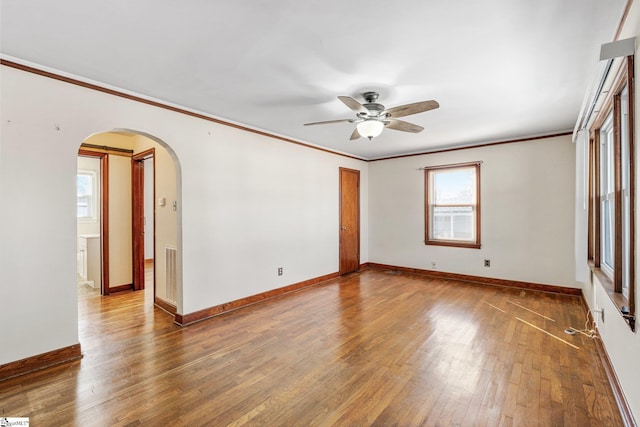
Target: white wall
pixel 248 204
pixel 526 213
pixel 622 345
pixel 255 205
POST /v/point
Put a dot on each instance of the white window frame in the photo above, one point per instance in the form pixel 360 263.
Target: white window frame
pixel 92 198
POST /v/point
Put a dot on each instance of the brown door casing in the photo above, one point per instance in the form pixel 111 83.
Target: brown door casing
pixel 138 214
pixel 349 220
pixel 137 221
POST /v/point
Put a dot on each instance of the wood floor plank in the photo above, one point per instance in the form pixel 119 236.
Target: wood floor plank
pixel 370 348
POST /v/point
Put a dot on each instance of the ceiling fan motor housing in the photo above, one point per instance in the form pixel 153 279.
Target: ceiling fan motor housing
pixel 374 108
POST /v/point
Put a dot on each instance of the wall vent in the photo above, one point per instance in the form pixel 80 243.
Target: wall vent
pixel 170 255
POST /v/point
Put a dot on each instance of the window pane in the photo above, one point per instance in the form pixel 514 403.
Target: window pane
pixel 441 224
pixel 607 197
pixel 626 249
pixel 456 186
pixel 624 135
pixel 85 185
pixel 607 233
pixel 463 225
pixel 85 190
pixel 453 223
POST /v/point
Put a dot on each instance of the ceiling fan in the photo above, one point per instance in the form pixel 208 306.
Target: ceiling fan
pixel 371 117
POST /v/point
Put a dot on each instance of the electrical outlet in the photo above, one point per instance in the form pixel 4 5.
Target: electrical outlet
pixel 280 271
pixel 433 265
pixel 487 263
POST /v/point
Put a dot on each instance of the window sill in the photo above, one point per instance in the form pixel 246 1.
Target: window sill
pixel 453 243
pixel 619 300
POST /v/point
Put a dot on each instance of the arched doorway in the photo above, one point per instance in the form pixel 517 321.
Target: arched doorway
pixel 133 204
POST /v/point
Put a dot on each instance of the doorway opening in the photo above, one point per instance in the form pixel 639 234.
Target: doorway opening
pixel 138 223
pixel 143 218
pixel 92 220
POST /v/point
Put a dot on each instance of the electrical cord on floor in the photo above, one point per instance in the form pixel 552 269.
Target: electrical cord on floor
pixel 587 331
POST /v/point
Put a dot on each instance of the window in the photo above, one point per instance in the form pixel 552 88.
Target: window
pixel 452 205
pixel 612 206
pixel 86 195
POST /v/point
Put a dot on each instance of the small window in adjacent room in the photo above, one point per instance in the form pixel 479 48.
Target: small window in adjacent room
pixel 452 205
pixel 86 192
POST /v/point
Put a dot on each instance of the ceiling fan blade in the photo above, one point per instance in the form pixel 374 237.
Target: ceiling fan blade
pixel 355 134
pixel 327 122
pixel 353 104
pixel 404 126
pixel 415 108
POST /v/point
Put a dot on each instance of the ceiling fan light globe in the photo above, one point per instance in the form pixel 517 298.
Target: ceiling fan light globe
pixel 370 128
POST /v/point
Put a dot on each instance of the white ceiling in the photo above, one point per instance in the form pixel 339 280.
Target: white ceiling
pixel 500 69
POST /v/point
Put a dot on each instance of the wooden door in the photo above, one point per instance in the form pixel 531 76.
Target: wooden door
pixel 137 181
pixel 138 215
pixel 349 220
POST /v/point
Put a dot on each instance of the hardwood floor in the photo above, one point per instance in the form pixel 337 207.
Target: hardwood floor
pixel 370 348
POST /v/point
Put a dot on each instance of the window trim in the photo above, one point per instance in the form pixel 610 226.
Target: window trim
pixel 613 283
pixel 427 207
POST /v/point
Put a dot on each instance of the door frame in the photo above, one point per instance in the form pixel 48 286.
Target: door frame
pixel 137 217
pixel 104 215
pixel 342 269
